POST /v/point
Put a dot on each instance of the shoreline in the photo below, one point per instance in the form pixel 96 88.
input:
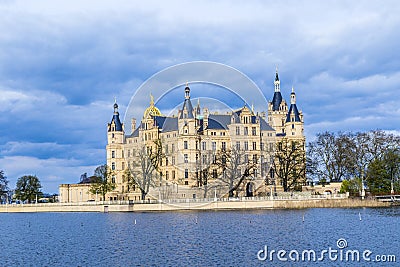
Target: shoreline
pixel 190 206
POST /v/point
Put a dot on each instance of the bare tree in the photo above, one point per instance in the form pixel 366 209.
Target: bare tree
pixel 234 167
pixel 144 171
pixel 290 163
pixel 329 157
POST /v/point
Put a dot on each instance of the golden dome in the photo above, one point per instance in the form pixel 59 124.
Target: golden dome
pixel 151 110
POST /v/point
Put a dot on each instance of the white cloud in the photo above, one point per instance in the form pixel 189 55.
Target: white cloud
pixel 51 172
pixel 64 62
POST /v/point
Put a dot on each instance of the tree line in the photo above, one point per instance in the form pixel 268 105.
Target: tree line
pixel 27 189
pixel 363 160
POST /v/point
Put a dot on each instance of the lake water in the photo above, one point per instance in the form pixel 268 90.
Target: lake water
pixel 223 238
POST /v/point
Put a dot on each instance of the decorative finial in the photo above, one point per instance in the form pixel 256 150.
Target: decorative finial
pixel 252 108
pixel 115 100
pixel 292 89
pixel 151 100
pixel 187 84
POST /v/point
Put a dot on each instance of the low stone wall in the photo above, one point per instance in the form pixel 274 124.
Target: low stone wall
pixel 214 205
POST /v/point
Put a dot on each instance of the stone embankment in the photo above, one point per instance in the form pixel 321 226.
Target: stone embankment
pixel 182 205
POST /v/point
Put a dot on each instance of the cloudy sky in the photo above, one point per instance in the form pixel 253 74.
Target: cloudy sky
pixel 63 62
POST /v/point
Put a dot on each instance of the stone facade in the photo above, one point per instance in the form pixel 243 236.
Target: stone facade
pixel 191 140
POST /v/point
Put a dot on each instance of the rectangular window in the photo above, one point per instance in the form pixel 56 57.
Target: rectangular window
pixel 113 154
pixel 237 130
pixel 166 161
pixel 246 131
pixel 173 148
pixel 246 145
pixel 173 175
pixel 123 165
pixel 129 153
pixel 271 147
pixel 253 131
pixel 173 160
pixel 166 149
pixel 186 173
pixel 113 166
pixel 204 159
pixel 255 159
pixel 262 146
pixel 254 145
pixel 185 158
pixel 204 145
pixel 246 158
pixel 166 175
pixel 215 174
pixel 214 146
pixel 237 145
pixel 185 145
pixel 113 179
pixel 223 147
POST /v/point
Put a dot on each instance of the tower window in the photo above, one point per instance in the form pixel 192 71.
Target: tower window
pixel 186 158
pixel 204 145
pixel 253 131
pixel 185 145
pixel 113 166
pixel 223 146
pixel 113 154
pixel 186 173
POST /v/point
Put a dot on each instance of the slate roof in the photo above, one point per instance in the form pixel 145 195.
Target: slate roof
pixel 293 110
pixel 276 101
pixel 187 105
pixel 218 122
pixel 264 126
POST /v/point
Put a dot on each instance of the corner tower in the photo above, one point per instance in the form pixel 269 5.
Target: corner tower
pixel 277 109
pixel 115 151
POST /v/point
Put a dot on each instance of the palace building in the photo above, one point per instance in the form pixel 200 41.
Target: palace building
pixel 189 144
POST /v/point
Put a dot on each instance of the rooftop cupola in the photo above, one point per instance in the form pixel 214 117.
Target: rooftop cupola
pixel 277 83
pixel 187 109
pixel 293 97
pixel 187 91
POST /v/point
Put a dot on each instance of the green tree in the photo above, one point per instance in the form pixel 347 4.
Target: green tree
pixel 102 182
pixel 3 186
pixel 352 186
pixel 384 172
pixel 28 188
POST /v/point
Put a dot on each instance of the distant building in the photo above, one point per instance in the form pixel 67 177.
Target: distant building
pixel 190 141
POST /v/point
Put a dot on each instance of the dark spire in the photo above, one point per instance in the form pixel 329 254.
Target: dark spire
pixel 115 119
pixel 293 111
pixel 187 109
pixel 277 100
pixel 276 74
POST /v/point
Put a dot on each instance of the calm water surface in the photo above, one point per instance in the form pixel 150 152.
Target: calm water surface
pixel 231 238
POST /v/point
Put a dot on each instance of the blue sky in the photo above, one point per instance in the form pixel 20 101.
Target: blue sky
pixel 62 63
